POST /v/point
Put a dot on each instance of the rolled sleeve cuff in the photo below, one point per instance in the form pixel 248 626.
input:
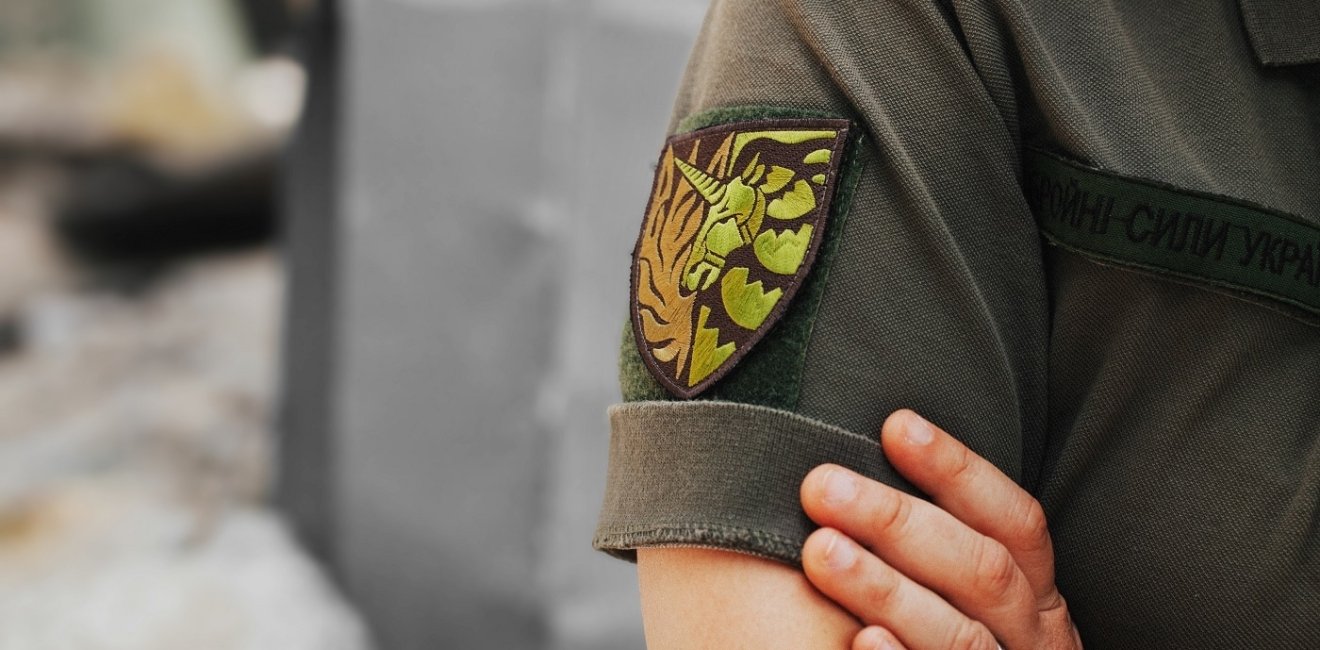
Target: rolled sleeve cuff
pixel 720 475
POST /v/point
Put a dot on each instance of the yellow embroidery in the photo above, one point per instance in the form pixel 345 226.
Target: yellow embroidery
pixel 783 252
pixel 793 204
pixel 733 206
pixel 667 233
pixel 785 137
pixel 707 355
pixel 706 224
pixel 777 179
pixel 817 156
pixel 746 304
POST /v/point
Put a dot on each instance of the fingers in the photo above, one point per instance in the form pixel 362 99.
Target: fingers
pixel 975 492
pixel 879 595
pixel 972 572
pixel 876 638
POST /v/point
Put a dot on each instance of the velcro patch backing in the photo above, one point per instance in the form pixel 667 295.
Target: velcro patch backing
pixel 736 216
pixel 1208 239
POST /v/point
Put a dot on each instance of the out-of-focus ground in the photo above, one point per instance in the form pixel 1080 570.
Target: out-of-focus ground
pixel 138 383
pixel 135 454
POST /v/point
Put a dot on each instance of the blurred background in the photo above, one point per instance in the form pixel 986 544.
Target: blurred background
pixel 309 314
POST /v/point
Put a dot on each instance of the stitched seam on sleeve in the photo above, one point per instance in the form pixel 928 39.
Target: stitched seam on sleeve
pixel 724 537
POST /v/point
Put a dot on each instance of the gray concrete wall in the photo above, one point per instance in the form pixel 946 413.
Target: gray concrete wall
pixel 495 163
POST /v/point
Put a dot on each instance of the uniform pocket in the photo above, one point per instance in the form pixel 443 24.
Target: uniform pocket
pixel 1283 32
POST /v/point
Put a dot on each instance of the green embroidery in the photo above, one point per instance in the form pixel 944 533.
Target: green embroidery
pixel 783 252
pixel 817 156
pixel 793 204
pixel 707 354
pixel 747 304
pixel 1215 241
pixel 785 137
pixel 777 179
pixel 723 238
pixel 768 372
pixel 735 212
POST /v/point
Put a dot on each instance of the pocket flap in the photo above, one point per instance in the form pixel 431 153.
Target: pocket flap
pixel 1283 32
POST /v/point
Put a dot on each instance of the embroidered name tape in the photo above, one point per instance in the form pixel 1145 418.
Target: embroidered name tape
pixel 1192 235
pixel 736 215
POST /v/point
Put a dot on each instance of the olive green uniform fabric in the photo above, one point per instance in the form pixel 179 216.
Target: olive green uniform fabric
pixel 1168 427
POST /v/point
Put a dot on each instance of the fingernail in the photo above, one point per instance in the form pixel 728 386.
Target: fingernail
pixel 839 554
pixel 918 431
pixel 878 640
pixel 840 488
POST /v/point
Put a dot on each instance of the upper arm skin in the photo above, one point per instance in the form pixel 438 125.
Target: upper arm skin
pixel 705 598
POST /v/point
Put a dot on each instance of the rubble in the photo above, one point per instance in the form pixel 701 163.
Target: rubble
pixel 135 449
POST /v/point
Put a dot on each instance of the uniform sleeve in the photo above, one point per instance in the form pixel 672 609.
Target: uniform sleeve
pixel 926 292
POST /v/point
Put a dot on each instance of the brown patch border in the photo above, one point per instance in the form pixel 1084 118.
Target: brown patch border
pixel 790 291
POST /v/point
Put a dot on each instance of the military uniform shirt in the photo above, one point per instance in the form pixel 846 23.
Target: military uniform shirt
pixel 1083 237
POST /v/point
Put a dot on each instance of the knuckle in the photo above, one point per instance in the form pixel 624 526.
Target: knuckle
pixel 1032 532
pixel 964 466
pixel 971 635
pixel 994 570
pixel 882 590
pixel 1053 604
pixel 891 513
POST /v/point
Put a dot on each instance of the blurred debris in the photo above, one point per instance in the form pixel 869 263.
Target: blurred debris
pixel 128 207
pixel 134 459
pixel 168 126
pixel 139 320
pixel 43 114
pixel 159 102
pixel 170 79
pixel 272 92
pixel 102 566
pixel 31 260
pixel 269 21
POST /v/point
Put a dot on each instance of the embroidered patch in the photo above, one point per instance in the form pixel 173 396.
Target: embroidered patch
pixel 1212 240
pixel 736 215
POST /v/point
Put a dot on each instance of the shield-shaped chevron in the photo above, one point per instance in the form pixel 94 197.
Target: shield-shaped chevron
pixel 736 215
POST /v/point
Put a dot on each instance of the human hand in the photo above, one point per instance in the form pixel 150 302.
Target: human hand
pixel 973 569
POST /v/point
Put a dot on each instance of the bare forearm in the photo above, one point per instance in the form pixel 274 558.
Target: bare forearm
pixel 701 598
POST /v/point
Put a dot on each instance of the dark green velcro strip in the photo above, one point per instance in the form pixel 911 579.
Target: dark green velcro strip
pixel 1208 239
pixel 771 373
pixel 720 475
